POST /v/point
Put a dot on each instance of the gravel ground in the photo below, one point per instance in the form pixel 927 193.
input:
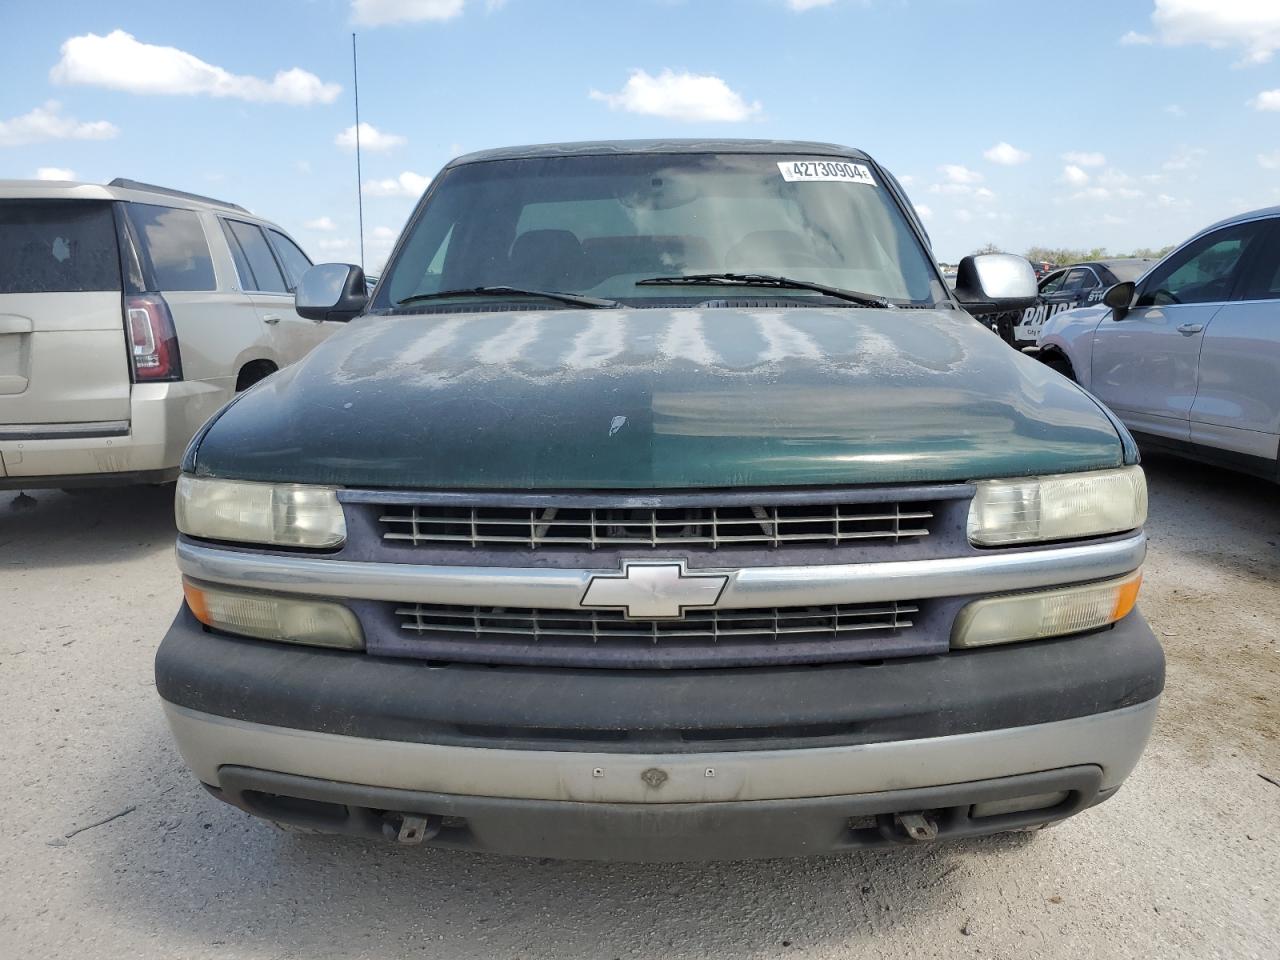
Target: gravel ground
pixel 1184 862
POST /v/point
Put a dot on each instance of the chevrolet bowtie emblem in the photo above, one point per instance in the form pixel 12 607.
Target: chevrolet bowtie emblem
pixel 654 591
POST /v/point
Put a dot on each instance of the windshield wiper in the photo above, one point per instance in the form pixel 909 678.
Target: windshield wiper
pixel 572 299
pixel 765 280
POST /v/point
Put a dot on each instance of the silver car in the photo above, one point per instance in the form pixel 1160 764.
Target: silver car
pixel 129 314
pixel 1188 356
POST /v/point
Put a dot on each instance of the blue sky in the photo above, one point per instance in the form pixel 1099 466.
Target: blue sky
pixel 1116 123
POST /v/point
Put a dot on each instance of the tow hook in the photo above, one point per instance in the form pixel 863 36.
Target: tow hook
pixel 917 825
pixel 413 828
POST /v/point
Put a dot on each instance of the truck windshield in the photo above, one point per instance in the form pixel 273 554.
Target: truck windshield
pixel 599 225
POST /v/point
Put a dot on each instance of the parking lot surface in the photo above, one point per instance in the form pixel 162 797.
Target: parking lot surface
pixel 108 848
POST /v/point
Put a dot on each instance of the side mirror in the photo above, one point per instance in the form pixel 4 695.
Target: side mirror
pixel 1119 298
pixel 995 283
pixel 331 291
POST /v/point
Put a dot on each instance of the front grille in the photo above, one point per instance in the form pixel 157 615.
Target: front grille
pixel 713 527
pixel 607 639
pixel 704 626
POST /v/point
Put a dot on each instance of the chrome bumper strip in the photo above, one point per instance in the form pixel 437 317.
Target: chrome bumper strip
pixel 64 431
pixel 1002 571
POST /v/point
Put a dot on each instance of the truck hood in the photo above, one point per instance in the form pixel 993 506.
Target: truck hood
pixel 654 398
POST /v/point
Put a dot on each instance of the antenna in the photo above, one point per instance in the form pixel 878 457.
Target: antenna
pixel 355 83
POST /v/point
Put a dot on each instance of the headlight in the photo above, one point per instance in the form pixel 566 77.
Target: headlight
pixel 1062 507
pixel 272 617
pixel 1046 613
pixel 287 515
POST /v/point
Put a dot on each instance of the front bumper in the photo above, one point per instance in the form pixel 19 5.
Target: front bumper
pixel 660 764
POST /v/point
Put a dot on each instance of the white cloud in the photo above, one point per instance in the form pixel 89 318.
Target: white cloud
pixel 1092 193
pixel 691 97
pixel 1085 158
pixel 47 122
pixel 964 216
pixel 1074 175
pixel 1266 100
pixel 1174 110
pixel 408 184
pixel 377 13
pixel 1135 39
pixel 1269 161
pixel 120 62
pixel 802 5
pixel 926 213
pixel 384 235
pixel 906 179
pixel 982 193
pixel 1187 158
pixel 955 173
pixel 1006 154
pixel 1250 25
pixel 371 138
pixel 55 173
pixel 336 245
pixel 321 223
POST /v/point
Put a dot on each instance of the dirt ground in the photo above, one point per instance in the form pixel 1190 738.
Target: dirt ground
pixel 1184 862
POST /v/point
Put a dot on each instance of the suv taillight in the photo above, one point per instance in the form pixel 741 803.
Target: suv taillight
pixel 153 342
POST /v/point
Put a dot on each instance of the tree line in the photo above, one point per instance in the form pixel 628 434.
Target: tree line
pixel 1061 256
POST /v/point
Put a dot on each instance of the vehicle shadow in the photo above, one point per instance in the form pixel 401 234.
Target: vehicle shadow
pixel 49 528
pixel 1225 518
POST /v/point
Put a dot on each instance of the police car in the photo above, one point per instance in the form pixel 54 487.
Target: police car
pixel 1064 288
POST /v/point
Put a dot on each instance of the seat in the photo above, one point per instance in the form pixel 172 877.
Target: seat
pixel 547 260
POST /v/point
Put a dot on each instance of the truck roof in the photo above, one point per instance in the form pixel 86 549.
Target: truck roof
pixel 606 147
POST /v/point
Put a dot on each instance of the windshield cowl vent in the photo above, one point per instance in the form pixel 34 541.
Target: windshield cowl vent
pixel 749 303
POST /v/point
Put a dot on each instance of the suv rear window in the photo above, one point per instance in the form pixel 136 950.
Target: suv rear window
pixel 173 241
pixel 57 246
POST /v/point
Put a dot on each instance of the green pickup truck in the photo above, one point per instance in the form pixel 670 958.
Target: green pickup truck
pixel 662 502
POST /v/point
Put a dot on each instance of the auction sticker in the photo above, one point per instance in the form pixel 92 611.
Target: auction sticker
pixel 840 171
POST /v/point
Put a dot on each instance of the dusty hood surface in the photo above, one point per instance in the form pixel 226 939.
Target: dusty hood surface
pixel 659 398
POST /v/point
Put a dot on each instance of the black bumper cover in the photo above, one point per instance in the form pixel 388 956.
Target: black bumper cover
pixel 623 711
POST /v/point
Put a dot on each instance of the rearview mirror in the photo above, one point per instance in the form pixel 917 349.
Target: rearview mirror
pixel 331 291
pixel 995 283
pixel 1119 298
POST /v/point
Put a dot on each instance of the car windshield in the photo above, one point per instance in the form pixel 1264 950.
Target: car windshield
pixel 599 225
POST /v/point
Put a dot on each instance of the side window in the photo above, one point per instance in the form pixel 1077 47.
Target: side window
pixel 1076 280
pixel 1053 282
pixel 1262 282
pixel 173 246
pixel 264 271
pixel 296 263
pixel 1204 271
pixel 243 270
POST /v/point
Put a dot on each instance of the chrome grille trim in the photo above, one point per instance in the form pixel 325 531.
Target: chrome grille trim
pixel 769 624
pixel 713 526
pixel 991 571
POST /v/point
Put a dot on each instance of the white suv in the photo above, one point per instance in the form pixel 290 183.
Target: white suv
pixel 129 314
